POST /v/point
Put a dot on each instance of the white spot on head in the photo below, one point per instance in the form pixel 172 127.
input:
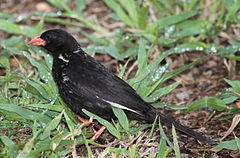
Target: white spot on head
pixel 62 58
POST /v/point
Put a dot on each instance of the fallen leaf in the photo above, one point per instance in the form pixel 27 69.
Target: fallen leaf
pixel 235 122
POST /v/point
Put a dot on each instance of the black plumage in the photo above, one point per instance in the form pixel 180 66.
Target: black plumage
pixel 84 83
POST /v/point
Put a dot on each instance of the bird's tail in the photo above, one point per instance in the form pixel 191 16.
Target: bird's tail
pixel 169 121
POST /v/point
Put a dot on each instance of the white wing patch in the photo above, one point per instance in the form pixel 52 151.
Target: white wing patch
pixel 65 78
pixel 77 51
pixel 62 58
pixel 120 106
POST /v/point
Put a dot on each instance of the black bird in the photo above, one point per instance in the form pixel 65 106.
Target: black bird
pixel 84 83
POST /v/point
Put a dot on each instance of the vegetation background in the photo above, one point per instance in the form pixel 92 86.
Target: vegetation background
pixel 180 55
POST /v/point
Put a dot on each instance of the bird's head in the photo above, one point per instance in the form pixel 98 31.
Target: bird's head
pixel 56 41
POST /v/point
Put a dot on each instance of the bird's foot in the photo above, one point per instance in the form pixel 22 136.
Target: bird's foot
pixel 90 122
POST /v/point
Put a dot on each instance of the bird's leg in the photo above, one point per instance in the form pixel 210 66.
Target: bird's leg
pixel 98 133
pixel 83 120
pixel 89 122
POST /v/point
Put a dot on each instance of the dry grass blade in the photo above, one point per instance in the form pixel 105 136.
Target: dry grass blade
pixel 235 122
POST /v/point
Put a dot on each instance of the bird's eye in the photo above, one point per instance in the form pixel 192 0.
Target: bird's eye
pixel 50 38
pixel 53 37
pixel 46 38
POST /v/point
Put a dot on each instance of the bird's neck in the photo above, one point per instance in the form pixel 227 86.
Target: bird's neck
pixel 65 54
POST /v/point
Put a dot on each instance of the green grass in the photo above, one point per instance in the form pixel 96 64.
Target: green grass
pixel 35 121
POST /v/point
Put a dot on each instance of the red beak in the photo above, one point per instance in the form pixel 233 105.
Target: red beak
pixel 37 41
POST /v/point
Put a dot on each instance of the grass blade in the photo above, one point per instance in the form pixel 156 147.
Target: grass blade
pixel 28 147
pixel 51 125
pixel 169 20
pixel 24 113
pixel 234 84
pixel 175 142
pixel 119 11
pixel 212 103
pixel 122 117
pixel 142 56
pixel 10 144
pixel 60 4
pixel 161 92
pixel 129 6
pixel 11 28
pixel 230 145
pixel 109 126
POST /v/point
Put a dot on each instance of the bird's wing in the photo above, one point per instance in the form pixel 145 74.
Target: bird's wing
pixel 90 77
